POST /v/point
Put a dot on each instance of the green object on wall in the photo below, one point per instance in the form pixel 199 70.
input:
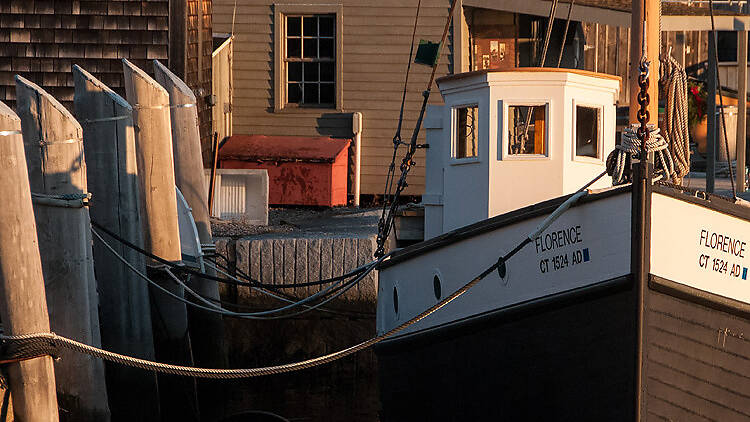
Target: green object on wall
pixel 427 53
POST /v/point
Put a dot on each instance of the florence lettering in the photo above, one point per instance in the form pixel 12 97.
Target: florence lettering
pixel 722 243
pixel 558 239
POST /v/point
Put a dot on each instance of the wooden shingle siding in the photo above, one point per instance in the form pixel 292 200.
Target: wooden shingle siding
pixel 696 365
pixel 375 53
pixel 42 39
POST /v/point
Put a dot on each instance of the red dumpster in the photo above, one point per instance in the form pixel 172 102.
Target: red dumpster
pixel 301 170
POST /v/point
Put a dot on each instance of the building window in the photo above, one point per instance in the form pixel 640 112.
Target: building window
pixel 527 129
pixel 307 56
pixel 466 130
pixel 587 131
pixel 311 60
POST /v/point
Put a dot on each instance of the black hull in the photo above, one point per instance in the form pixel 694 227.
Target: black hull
pixel 524 363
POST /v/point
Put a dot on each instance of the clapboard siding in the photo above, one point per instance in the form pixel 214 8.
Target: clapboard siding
pixel 696 362
pixel 375 53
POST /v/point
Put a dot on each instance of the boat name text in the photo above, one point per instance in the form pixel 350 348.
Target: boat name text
pixel 558 239
pixel 720 242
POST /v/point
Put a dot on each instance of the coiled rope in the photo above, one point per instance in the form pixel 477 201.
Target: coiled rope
pixel 673 81
pixel 618 161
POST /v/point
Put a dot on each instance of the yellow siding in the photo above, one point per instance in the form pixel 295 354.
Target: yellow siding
pixel 375 54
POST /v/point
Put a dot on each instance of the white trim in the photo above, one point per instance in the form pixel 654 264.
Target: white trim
pixel 504 105
pixel 599 159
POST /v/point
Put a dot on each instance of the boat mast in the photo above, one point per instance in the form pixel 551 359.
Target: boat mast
pixel 645 25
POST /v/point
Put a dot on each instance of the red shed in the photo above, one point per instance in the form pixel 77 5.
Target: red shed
pixel 301 170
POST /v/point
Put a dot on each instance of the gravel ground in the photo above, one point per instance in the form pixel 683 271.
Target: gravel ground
pixel 288 220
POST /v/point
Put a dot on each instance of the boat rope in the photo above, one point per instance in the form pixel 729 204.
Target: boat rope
pixel 250 283
pixel 261 315
pixel 30 341
pixel 390 198
pixel 715 58
pixel 673 81
pixel 64 200
pixel 276 295
pixel 619 160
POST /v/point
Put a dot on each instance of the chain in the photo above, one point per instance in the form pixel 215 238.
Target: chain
pixel 643 114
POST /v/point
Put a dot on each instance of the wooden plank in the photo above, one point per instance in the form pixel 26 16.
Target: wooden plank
pixel 109 144
pixel 55 159
pixel 153 139
pixel 23 303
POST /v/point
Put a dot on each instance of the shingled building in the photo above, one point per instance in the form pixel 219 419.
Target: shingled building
pixel 41 40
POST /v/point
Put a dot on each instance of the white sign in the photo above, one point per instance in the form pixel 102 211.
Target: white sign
pixel 700 247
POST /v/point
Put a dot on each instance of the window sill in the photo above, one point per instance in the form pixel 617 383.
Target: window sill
pixel 587 160
pixel 307 110
pixel 525 157
pixel 460 161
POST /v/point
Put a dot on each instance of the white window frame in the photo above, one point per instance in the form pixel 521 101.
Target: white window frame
pixel 503 153
pixel 454 133
pixel 281 11
pixel 600 128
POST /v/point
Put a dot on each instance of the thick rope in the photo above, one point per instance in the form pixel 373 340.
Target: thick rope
pixel 618 161
pixel 673 81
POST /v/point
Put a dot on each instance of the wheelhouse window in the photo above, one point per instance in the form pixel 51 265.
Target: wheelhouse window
pixel 310 60
pixel 527 133
pixel 587 131
pixel 466 130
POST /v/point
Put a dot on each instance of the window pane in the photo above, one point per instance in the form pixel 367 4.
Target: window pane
pixel 327 70
pixel 327 93
pixel 466 132
pixel 311 48
pixel 293 48
pixel 295 71
pixel 326 26
pixel 311 94
pixel 294 93
pixel 527 141
pixel 311 72
pixel 587 132
pixel 310 26
pixel 293 25
pixel 326 48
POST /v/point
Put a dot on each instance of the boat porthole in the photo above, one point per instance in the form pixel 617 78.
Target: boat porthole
pixel 436 286
pixel 395 300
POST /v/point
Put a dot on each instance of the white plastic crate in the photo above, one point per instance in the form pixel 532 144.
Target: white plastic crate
pixel 240 194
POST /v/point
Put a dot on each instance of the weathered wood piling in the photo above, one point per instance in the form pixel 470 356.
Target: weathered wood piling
pixel 57 171
pixel 23 307
pixel 207 330
pixel 109 145
pixel 153 138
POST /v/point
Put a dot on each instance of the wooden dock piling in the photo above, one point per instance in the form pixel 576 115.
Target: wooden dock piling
pixel 56 166
pixel 23 305
pixel 109 145
pixel 207 330
pixel 153 138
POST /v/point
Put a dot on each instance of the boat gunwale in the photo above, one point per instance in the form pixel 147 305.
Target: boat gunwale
pixel 493 223
pixel 700 297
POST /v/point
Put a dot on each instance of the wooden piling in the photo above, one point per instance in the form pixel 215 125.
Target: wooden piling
pixel 206 329
pixel 23 303
pixel 153 137
pixel 109 145
pixel 56 165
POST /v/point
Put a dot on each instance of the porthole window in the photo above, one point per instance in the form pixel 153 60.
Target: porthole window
pixel 436 285
pixel 395 300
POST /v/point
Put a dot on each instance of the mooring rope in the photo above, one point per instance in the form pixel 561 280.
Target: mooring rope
pixel 47 339
pixel 618 161
pixel 673 79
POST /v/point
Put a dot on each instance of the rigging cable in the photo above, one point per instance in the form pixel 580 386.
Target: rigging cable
pixel 255 283
pixel 262 315
pixel 60 341
pixel 721 98
pixel 386 218
pixel 565 33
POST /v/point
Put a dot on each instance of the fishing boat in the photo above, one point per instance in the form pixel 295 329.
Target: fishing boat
pixel 606 303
